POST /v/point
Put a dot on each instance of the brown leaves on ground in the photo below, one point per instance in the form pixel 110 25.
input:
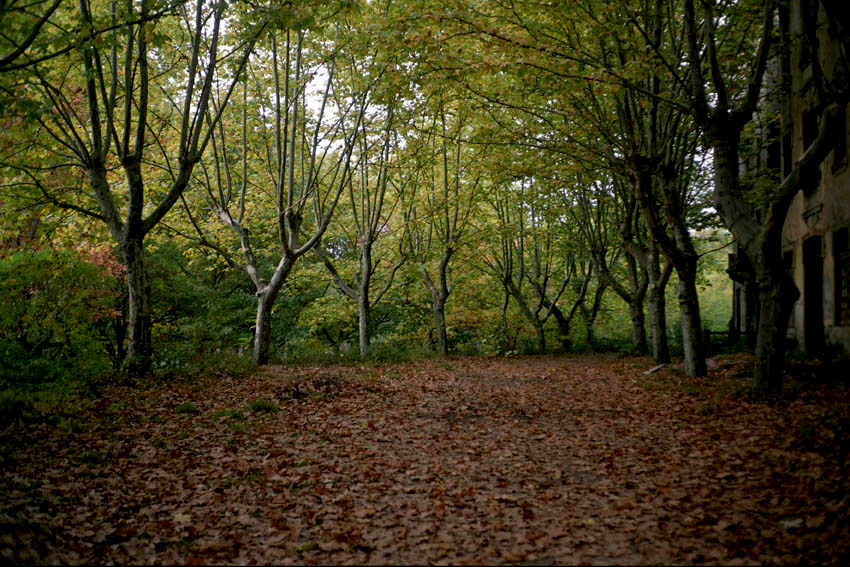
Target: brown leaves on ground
pixel 465 461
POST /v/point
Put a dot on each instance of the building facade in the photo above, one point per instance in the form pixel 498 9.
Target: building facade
pixel 815 233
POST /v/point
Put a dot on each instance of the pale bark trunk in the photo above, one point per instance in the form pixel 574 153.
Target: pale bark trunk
pixel 262 329
pixel 692 341
pixel 657 307
pixel 140 348
pixel 363 307
pixel 266 297
pixel 438 312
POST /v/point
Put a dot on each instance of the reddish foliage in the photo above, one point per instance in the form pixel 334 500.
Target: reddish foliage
pixel 467 461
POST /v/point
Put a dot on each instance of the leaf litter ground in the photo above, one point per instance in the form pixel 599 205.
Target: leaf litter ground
pixel 556 460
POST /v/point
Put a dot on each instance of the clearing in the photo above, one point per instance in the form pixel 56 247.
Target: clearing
pixel 531 460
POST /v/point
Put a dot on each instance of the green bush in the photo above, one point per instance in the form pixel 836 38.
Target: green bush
pixel 203 319
pixel 53 310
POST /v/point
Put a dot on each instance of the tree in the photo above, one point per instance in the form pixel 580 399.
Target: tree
pixel 527 62
pixel 367 197
pixel 723 105
pixel 25 22
pixel 441 200
pixel 309 166
pixel 529 253
pixel 103 119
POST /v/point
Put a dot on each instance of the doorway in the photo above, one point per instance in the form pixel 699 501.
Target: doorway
pixel 813 295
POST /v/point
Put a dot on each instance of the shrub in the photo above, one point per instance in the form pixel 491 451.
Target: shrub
pixel 53 309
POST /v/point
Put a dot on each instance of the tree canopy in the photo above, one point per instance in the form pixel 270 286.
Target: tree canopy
pixel 458 174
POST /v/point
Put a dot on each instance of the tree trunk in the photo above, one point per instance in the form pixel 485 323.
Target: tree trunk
pixel 506 299
pixel 776 290
pixel 777 294
pixel 363 325
pixel 657 307
pixel 439 298
pixel 638 326
pixel 589 313
pixel 438 311
pixel 563 328
pixel 692 339
pixel 266 297
pixel 140 348
pixel 363 297
pixel 262 328
pixel 541 338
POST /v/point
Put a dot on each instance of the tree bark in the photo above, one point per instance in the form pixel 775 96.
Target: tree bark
pixel 777 295
pixel 262 328
pixel 140 349
pixel 438 312
pixel 657 306
pixel 563 328
pixel 638 326
pixel 692 342
pixel 439 297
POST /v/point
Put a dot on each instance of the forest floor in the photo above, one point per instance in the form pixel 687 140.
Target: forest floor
pixel 582 459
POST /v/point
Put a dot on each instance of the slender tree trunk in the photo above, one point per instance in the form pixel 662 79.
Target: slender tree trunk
pixel 266 297
pixel 638 326
pixel 438 312
pixel 140 349
pixel 563 328
pixel 262 328
pixel 439 298
pixel 589 313
pixel 363 298
pixel 541 337
pixel 633 296
pixel 692 340
pixel 657 307
pixel 506 335
pixel 363 325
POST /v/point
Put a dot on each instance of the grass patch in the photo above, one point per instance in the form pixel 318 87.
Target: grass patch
pixel 237 427
pixel 305 547
pixel 92 458
pixel 187 408
pixel 66 409
pixel 229 414
pixel 263 406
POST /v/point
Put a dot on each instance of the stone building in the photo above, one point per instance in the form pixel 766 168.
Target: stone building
pixel 815 233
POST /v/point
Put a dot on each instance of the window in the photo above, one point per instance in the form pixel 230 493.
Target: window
pixel 786 154
pixel 841 257
pixel 839 152
pixel 810 134
pixel 774 151
pixel 810 129
pixel 788 259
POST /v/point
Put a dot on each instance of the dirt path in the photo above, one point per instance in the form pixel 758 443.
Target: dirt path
pixel 466 461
